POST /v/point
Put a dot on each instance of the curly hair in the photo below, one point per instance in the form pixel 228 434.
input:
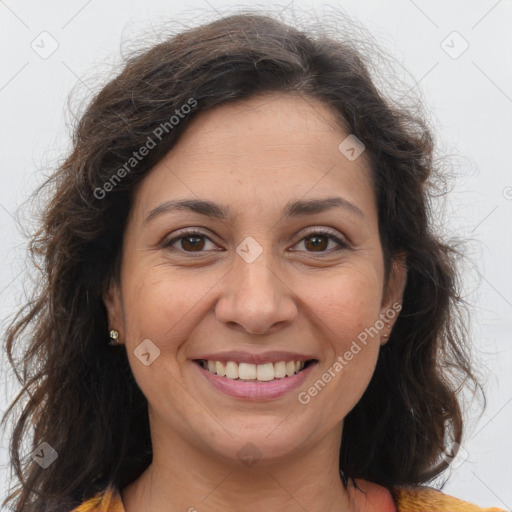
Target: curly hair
pixel 82 398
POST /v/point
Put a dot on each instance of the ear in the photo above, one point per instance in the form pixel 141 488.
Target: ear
pixel 113 303
pixel 392 297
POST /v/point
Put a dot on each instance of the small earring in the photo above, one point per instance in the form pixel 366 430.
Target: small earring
pixel 114 338
pixel 386 336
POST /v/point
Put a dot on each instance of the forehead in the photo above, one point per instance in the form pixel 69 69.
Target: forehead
pixel 261 151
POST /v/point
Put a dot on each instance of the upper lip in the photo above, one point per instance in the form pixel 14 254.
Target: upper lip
pixel 240 356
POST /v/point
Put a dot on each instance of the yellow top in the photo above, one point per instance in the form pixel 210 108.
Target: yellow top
pixel 414 499
pixel 428 499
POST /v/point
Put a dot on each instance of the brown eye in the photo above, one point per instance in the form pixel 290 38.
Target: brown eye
pixel 192 242
pixel 189 242
pixel 318 241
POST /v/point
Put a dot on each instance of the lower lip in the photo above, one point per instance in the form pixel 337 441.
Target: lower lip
pixel 256 390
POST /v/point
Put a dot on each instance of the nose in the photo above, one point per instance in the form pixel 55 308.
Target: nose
pixel 255 298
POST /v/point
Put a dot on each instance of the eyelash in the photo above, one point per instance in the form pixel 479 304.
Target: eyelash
pixel 317 231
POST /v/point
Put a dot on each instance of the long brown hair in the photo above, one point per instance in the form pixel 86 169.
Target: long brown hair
pixel 80 395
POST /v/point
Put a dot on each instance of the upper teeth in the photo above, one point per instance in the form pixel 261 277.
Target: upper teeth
pixel 248 371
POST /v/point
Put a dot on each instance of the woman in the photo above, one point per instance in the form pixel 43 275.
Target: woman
pixel 244 305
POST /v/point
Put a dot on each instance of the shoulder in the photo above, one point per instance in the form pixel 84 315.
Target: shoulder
pixel 108 500
pixel 407 499
pixel 428 499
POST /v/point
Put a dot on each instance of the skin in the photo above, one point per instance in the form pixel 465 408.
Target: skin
pixel 254 156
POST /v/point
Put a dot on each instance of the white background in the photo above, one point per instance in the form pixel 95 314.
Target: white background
pixel 468 97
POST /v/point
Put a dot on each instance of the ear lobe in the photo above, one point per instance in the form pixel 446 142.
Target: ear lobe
pixel 396 284
pixel 112 300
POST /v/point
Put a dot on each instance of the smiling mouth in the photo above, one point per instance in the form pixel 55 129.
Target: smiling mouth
pixel 254 372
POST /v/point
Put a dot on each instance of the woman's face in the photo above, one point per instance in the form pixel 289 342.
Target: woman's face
pixel 253 278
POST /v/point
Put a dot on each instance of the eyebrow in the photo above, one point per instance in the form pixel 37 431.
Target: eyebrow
pixel 217 211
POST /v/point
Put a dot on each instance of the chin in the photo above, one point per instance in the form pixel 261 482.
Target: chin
pixel 259 440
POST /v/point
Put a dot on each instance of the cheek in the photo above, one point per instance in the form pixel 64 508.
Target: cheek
pixel 163 306
pixel 348 309
pixel 347 305
pixel 351 352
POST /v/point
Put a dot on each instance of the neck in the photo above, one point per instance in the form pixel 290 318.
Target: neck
pixel 192 480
